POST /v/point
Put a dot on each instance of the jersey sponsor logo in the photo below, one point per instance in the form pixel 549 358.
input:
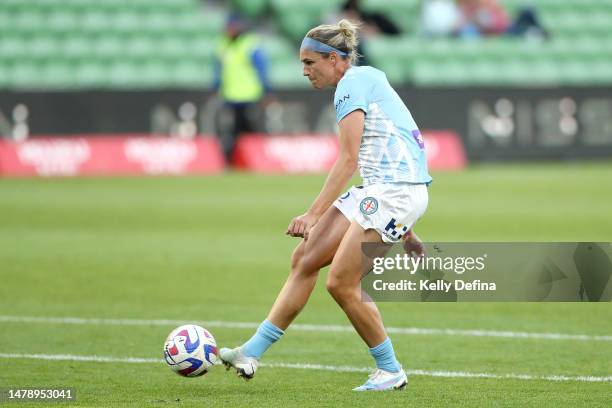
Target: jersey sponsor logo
pixel 341 100
pixel 368 205
pixel 395 230
pixel 419 138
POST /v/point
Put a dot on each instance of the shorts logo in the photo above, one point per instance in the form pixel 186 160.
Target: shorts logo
pixel 344 197
pixel 368 205
pixel 395 231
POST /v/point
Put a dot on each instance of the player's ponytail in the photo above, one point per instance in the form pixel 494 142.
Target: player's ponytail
pixel 342 36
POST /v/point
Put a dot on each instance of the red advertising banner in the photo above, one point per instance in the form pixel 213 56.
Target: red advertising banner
pixel 286 153
pixel 110 155
pixel 317 153
pixel 147 155
pixel 444 150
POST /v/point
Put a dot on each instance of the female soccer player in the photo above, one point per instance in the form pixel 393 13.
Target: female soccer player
pixel 378 135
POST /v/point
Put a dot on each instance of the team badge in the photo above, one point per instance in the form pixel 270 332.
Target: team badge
pixel 368 205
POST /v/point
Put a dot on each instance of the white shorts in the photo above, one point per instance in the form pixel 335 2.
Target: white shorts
pixel 390 209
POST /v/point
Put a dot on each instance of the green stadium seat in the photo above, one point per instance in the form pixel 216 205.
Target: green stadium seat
pixel 203 46
pixel 191 74
pixel 90 74
pixel 404 49
pixel 140 46
pixel 108 46
pixel 129 22
pixel 396 72
pixel 57 74
pixel 296 17
pixel 6 22
pixel 405 13
pixel 59 22
pixel 251 8
pixel 78 47
pixel 427 73
pixel 29 22
pixel 155 73
pixel 95 22
pixel 316 8
pixel 149 43
pixel 173 47
pixel 512 71
pixel 122 74
pixel 279 49
pixel 4 75
pixel 288 75
pixel 211 23
pixel 13 47
pixel 43 47
pixel 296 25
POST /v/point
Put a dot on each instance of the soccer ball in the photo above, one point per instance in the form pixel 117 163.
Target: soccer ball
pixel 190 350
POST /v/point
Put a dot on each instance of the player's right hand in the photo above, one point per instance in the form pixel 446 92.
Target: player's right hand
pixel 300 226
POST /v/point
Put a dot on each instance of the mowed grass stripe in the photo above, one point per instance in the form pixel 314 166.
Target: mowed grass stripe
pixel 303 327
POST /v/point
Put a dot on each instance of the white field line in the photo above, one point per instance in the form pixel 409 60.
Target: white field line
pixel 318 367
pixel 303 327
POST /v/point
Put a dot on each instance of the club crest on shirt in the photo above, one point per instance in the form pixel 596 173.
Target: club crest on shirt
pixel 368 205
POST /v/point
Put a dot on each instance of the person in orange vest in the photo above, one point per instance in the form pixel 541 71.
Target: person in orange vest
pixel 241 78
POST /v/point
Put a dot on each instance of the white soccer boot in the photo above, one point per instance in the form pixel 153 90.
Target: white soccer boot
pixel 245 366
pixel 381 380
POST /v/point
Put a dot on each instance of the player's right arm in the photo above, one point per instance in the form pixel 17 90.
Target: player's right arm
pixel 351 129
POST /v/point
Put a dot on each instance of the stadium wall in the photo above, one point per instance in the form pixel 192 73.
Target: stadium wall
pixel 494 123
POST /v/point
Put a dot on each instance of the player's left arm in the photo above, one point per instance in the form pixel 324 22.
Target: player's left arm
pixel 413 245
pixel 351 130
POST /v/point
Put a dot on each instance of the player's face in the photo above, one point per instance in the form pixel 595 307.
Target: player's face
pixel 319 70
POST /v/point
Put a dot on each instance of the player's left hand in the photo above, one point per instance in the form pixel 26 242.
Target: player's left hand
pixel 300 226
pixel 413 245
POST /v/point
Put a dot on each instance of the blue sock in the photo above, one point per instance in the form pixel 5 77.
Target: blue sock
pixel 385 356
pixel 266 335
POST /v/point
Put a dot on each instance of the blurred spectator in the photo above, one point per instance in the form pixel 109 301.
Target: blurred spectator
pixel 439 18
pixel 528 24
pixel 240 79
pixel 373 23
pixel 477 18
pixel 482 18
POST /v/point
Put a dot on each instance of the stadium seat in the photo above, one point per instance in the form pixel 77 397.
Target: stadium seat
pixel 279 49
pixel 288 74
pixel 149 43
pixel 405 13
pixel 90 74
pixel 56 74
pixel 250 8
pixel 21 74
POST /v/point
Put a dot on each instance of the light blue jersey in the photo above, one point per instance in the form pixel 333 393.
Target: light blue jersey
pixel 392 148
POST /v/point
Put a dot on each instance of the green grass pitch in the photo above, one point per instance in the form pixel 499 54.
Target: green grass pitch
pixel 213 248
